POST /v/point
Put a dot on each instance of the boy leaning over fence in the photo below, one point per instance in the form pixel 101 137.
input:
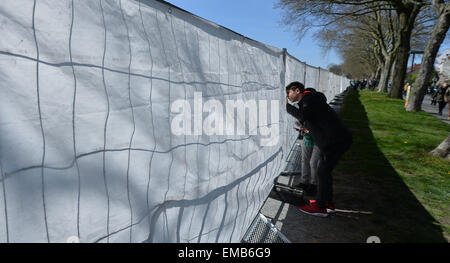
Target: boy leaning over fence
pixel 328 133
pixel 310 157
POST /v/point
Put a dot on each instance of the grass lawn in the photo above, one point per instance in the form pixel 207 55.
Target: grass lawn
pixel 407 190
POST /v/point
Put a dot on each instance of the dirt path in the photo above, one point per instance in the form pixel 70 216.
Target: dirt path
pixel 352 222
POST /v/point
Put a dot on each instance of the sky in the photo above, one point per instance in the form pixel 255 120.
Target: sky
pixel 260 21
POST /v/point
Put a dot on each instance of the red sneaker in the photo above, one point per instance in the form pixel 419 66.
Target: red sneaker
pixel 330 207
pixel 314 209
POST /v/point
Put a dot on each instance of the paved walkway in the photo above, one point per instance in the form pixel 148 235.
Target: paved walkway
pixel 433 109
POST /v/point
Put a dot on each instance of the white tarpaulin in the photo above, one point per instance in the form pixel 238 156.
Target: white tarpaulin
pixel 90 147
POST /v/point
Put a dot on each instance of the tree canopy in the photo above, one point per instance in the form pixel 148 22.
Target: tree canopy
pixel 374 38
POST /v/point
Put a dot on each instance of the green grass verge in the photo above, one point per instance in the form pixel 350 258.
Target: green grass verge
pixel 390 151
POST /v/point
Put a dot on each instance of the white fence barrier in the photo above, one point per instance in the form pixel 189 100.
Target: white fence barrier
pixel 89 91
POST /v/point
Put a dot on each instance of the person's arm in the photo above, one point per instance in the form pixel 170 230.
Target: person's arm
pixel 296 113
pixel 306 110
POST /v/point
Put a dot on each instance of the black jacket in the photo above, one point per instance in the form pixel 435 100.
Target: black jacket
pixel 326 128
pixel 440 94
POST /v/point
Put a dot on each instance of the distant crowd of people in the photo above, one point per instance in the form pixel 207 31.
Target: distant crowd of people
pixel 439 91
pixel 363 84
pixel 440 95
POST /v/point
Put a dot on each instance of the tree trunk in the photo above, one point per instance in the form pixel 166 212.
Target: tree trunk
pixel 406 24
pixel 443 149
pixel 426 69
pixel 400 72
pixel 392 72
pixel 384 76
pixel 380 64
pixel 378 74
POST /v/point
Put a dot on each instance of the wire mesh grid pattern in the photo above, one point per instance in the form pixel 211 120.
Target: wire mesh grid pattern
pixel 293 160
pixel 85 120
pixel 262 231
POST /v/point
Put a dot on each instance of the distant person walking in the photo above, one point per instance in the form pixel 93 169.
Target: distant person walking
pixel 434 93
pixel 406 93
pixel 447 100
pixel 440 97
pixel 329 134
pixel 354 84
pixel 363 84
pixel 372 84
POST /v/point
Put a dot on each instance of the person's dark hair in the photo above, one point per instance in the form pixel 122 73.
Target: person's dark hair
pixel 296 85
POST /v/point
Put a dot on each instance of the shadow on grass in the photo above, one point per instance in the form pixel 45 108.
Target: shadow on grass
pixel 369 182
pixel 371 198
